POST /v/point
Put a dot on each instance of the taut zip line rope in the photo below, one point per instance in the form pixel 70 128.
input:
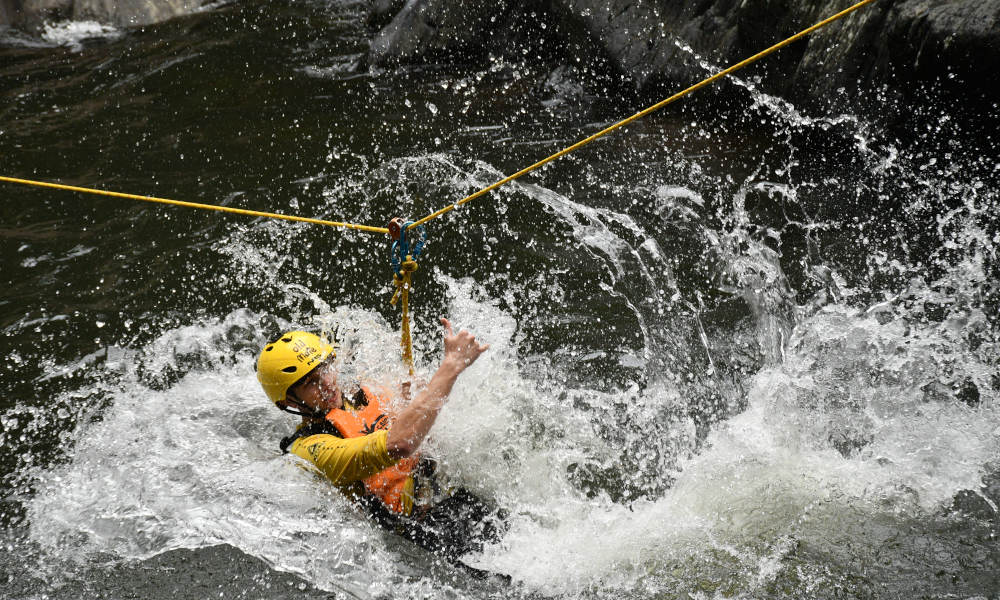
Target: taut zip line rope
pixel 402 273
pixel 488 188
pixel 238 211
pixel 642 113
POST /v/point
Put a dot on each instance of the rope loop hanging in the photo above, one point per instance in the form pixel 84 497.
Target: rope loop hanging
pixel 403 254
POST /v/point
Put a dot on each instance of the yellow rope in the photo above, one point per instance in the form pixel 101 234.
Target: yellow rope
pixel 642 113
pixel 403 280
pixel 486 189
pixel 403 285
pixel 238 211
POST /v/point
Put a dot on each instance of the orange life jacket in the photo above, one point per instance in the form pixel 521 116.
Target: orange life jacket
pixel 393 486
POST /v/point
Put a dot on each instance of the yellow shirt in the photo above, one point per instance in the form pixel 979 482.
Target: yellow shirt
pixel 345 460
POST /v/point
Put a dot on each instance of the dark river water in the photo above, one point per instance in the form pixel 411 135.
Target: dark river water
pixel 739 349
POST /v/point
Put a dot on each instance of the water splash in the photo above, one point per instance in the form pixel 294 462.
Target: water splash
pixel 712 375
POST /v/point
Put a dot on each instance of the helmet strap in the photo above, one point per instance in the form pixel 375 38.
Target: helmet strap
pixel 294 411
pixel 307 413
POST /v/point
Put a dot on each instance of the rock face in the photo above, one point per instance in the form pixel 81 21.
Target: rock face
pixel 32 13
pixel 655 43
pixel 427 31
pixel 424 31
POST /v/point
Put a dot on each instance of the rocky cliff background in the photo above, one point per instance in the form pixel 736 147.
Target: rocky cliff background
pixel 890 48
pixel 888 51
pixel 29 14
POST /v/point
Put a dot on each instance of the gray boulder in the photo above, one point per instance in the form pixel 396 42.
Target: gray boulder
pixel 425 32
pixel 381 12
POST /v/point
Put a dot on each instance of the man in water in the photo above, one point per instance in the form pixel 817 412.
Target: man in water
pixel 368 451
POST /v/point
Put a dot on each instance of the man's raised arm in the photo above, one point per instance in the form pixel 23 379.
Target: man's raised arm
pixel 412 425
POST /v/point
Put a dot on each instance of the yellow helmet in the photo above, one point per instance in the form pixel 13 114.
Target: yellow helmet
pixel 289 359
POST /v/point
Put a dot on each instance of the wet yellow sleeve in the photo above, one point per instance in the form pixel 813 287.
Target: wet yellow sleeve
pixel 345 461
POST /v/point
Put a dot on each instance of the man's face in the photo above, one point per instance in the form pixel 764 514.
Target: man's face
pixel 318 390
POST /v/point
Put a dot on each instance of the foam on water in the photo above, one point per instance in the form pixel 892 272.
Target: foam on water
pixel 195 465
pixel 841 429
pixel 844 429
pixel 73 33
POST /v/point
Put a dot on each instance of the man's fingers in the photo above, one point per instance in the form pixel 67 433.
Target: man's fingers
pixel 464 343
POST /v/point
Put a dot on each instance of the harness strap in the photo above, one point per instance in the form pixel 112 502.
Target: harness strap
pixel 364 415
pixel 358 400
pixel 311 429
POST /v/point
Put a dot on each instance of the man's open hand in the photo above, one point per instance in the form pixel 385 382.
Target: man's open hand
pixel 462 347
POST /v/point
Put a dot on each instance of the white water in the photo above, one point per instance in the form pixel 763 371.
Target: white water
pixel 836 459
pixel 196 464
pixel 73 33
pixel 852 428
pixel 774 472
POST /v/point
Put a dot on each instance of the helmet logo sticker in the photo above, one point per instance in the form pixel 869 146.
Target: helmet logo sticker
pixel 304 352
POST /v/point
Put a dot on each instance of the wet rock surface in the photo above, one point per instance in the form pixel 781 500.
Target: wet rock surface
pixel 29 14
pixel 427 32
pixel 951 46
pixel 423 31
